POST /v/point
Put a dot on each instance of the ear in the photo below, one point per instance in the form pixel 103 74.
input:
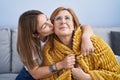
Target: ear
pixel 35 36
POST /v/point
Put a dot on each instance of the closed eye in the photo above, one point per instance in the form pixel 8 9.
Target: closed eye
pixel 44 26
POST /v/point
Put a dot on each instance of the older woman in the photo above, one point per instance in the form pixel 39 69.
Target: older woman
pixel 100 65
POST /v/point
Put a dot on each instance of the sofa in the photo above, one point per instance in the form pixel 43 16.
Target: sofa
pixel 10 63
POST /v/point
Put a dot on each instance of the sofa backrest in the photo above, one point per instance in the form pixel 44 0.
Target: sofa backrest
pixel 5 50
pixel 16 62
pixel 104 32
pixel 9 59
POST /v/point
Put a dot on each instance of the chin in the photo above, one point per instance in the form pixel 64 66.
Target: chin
pixel 50 33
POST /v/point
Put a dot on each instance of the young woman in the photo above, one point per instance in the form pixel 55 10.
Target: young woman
pixel 100 65
pixel 34 29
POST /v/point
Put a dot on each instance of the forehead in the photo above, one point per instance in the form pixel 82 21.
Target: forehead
pixel 63 12
pixel 41 17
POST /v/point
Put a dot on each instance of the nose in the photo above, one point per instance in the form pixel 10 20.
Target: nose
pixel 63 21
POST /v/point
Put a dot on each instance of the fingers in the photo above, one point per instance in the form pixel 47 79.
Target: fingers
pixel 87 51
pixel 69 61
pixel 87 47
pixel 71 56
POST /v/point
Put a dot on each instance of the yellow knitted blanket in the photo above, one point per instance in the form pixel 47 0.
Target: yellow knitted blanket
pixel 101 65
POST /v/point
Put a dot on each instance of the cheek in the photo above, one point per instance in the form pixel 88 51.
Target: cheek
pixel 55 27
pixel 55 30
pixel 47 30
pixel 39 31
pixel 72 26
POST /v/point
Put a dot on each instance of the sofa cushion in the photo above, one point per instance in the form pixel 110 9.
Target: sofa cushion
pixel 5 51
pixel 16 62
pixel 115 42
pixel 118 58
pixel 8 76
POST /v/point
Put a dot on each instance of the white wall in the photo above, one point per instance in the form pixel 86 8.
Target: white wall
pixel 93 12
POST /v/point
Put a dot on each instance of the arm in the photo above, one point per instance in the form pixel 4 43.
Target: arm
pixel 39 72
pixel 105 67
pixel 86 45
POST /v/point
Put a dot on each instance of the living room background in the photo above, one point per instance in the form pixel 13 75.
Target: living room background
pixel 94 12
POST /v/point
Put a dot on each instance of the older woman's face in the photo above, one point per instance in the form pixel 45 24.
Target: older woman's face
pixel 63 23
pixel 44 26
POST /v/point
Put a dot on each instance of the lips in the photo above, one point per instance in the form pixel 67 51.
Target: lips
pixel 63 27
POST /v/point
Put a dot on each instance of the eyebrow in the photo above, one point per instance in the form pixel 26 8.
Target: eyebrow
pixel 63 16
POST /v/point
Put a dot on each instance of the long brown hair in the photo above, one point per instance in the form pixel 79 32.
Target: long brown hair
pixel 27 45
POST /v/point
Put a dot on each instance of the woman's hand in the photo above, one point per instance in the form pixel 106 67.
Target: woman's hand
pixel 86 44
pixel 79 74
pixel 67 62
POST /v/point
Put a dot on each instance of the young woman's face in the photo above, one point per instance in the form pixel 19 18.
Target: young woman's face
pixel 63 23
pixel 44 26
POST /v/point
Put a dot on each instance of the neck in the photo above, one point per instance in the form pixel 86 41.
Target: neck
pixel 66 40
pixel 43 38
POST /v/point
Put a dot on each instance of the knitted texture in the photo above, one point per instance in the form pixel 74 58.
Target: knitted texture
pixel 101 64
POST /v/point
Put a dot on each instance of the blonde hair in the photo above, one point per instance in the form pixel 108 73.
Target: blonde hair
pixel 26 44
